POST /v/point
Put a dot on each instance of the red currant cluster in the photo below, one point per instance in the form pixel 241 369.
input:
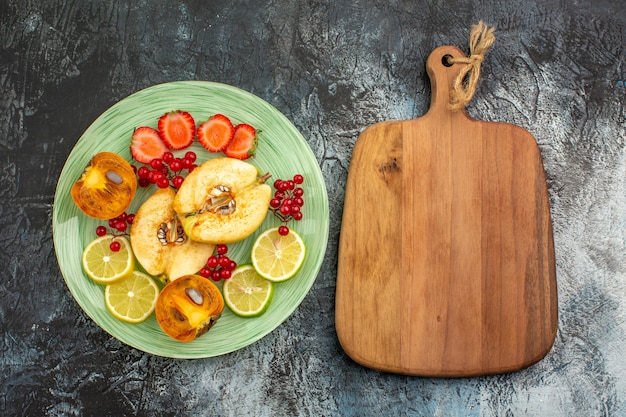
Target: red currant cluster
pixel 119 226
pixel 287 202
pixel 167 170
pixel 219 266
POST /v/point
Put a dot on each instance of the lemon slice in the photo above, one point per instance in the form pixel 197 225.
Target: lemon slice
pixel 247 293
pixel 103 265
pixel 277 257
pixel 132 299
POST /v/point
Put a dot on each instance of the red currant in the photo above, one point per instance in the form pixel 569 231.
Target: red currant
pixel 101 231
pixel 143 172
pixel 143 182
pixel 215 276
pixel 275 203
pixel 176 165
pixel 130 218
pixel 163 182
pixel 168 157
pixel 186 163
pixel 156 163
pixel 297 216
pixel 212 262
pixel 121 226
pixel 205 272
pixel 298 179
pixel 221 249
pixel 224 262
pixel 283 230
pixel 115 246
pixel 177 181
pixel 225 274
pixel 191 156
pixel 298 192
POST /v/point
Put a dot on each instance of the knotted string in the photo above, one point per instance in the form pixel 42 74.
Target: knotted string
pixel 480 39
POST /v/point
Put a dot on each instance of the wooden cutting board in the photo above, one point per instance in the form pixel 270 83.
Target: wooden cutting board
pixel 446 254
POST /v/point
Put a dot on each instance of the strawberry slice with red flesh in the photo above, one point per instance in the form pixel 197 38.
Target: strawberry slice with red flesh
pixel 216 133
pixel 146 145
pixel 244 142
pixel 177 129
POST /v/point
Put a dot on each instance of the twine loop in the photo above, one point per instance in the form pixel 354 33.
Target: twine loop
pixel 480 40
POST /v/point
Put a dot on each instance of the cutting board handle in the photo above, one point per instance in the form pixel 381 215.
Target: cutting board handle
pixel 442 77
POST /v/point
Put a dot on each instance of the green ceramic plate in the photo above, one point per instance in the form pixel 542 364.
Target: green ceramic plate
pixel 282 151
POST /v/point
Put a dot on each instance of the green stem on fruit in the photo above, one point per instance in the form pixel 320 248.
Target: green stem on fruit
pixel 264 177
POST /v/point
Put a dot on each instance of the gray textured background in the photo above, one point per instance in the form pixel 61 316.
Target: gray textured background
pixel 557 68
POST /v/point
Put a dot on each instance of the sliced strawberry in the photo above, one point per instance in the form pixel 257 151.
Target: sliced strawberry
pixel 216 133
pixel 146 144
pixel 244 142
pixel 177 129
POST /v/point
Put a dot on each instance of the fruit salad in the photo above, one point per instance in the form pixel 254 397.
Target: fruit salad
pixel 177 241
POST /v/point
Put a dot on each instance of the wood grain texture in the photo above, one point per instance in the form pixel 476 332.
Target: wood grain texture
pixel 446 255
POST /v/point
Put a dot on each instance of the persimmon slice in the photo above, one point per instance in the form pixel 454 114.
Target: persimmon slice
pixel 188 307
pixel 106 187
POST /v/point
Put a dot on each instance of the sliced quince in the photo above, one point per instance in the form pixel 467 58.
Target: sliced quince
pixel 222 201
pixel 160 243
pixel 106 187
